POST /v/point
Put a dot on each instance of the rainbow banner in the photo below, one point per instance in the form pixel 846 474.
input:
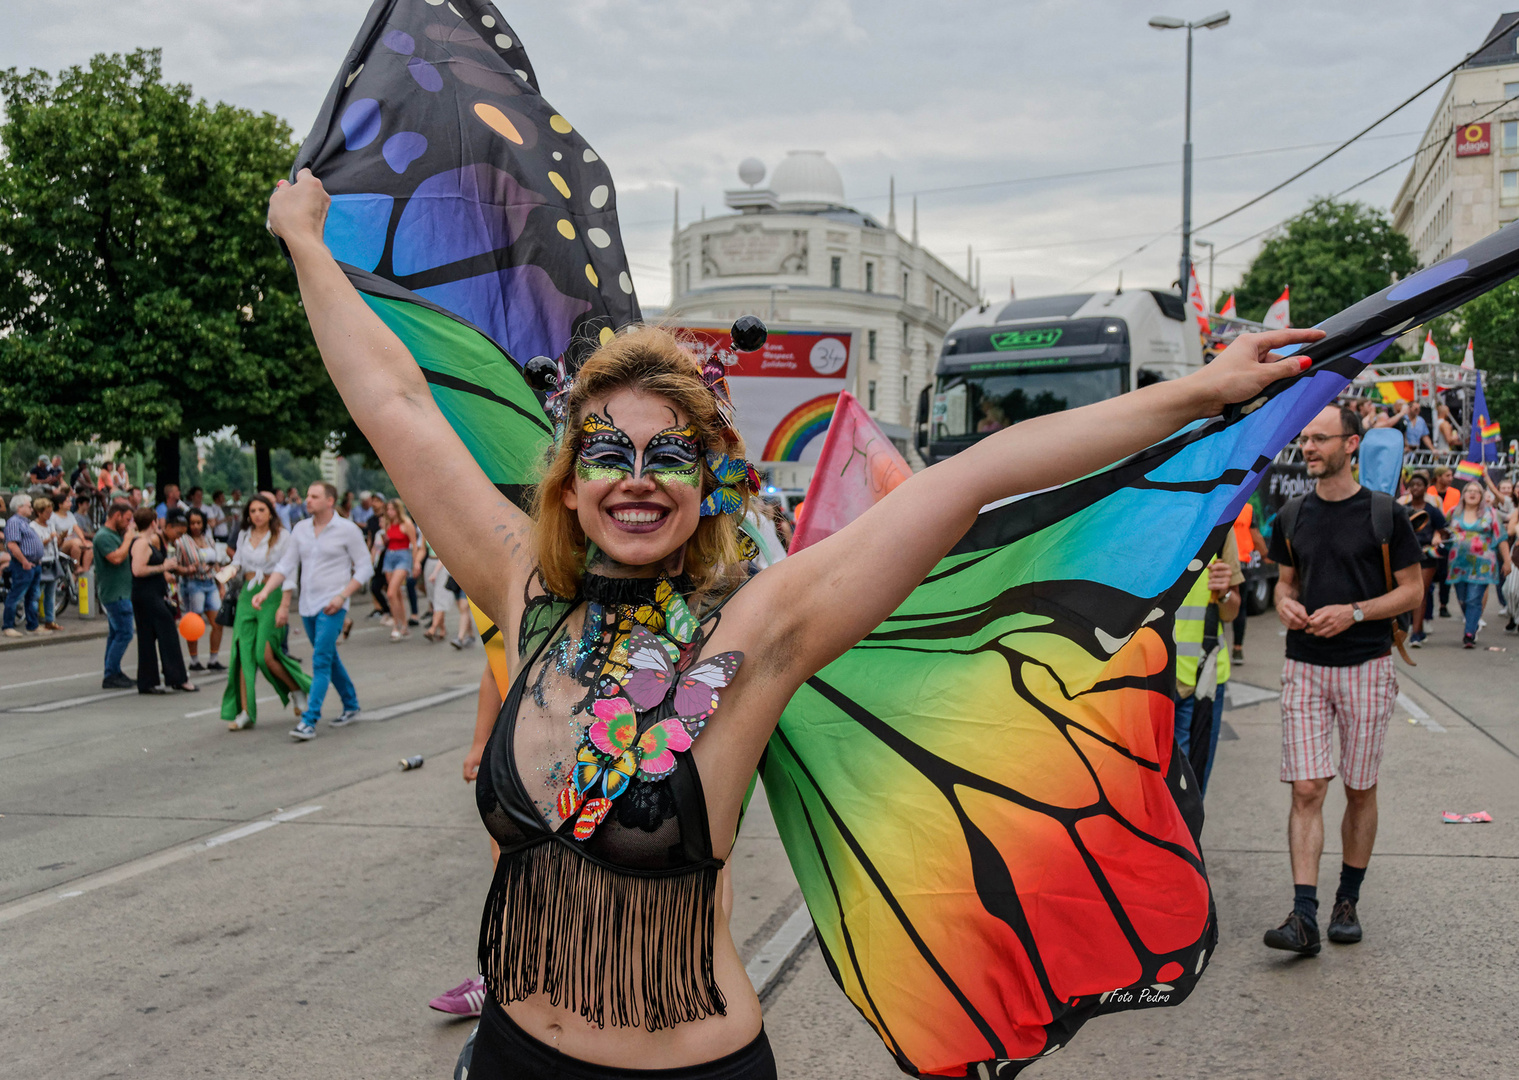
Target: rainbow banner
pixel 1492 431
pixel 1472 469
pixel 799 427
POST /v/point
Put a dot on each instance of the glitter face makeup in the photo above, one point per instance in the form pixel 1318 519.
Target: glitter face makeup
pixel 606 453
pixel 672 457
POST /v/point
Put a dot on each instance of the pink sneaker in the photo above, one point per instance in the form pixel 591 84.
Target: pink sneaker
pixel 465 999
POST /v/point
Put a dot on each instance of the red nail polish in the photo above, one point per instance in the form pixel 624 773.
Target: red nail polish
pixel 1304 363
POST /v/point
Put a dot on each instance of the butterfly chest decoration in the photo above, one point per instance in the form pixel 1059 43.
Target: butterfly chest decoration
pixel 643 672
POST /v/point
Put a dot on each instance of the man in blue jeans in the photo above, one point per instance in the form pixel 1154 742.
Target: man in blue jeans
pixel 328 554
pixel 113 588
pixel 25 548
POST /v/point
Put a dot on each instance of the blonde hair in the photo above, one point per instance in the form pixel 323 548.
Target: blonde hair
pixel 650 360
pixel 402 517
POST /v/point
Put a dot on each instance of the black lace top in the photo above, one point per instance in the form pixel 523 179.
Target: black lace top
pixel 617 926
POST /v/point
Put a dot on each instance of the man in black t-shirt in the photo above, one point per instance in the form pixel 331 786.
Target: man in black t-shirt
pixel 1334 598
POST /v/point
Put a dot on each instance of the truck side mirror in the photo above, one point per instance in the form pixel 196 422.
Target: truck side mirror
pixel 922 433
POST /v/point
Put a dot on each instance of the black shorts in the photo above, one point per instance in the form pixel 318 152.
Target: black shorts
pixel 503 1051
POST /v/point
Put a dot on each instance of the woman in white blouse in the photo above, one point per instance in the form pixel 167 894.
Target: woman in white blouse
pixel 257 634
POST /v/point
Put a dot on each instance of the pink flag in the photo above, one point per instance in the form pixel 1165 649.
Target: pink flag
pixel 1279 315
pixel 856 469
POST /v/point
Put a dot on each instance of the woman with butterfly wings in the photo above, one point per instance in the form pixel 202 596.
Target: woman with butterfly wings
pixel 643 666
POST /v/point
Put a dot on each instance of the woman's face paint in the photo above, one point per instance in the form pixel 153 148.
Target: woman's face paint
pixel 606 452
pixel 637 490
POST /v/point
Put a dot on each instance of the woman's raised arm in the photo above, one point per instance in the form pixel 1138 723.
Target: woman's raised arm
pixel 478 533
pixel 829 596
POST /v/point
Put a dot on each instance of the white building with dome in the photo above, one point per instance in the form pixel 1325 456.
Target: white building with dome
pixel 796 254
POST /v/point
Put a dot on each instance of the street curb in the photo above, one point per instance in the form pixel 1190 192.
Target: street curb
pixel 40 640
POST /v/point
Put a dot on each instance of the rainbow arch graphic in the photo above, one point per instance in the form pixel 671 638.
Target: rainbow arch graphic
pixel 799 427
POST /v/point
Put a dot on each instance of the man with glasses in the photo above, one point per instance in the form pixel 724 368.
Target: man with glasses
pixel 1337 547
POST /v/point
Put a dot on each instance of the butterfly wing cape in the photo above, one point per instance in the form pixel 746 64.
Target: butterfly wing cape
pixel 472 218
pixel 981 799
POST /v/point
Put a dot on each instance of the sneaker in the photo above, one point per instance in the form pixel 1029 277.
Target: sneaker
pixel 348 717
pixel 196 665
pixel 303 732
pixel 1344 927
pixel 1468 641
pixel 1416 641
pixel 11 631
pixel 52 627
pixel 298 702
pixel 117 682
pixel 216 665
pixel 241 723
pixel 1238 654
pixel 1444 612
pixel 1297 935
pixel 1511 628
pixel 465 999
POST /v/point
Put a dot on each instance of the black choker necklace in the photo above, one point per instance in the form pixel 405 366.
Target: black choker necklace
pixel 609 591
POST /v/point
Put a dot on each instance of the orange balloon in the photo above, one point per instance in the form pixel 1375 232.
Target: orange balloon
pixel 192 626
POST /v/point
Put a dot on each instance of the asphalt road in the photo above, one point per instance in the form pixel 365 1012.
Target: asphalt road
pixel 309 945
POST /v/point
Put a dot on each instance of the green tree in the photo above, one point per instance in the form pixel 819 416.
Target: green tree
pixel 141 298
pixel 1491 321
pixel 1332 254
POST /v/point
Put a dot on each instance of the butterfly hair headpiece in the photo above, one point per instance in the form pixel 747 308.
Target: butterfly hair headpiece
pixel 553 379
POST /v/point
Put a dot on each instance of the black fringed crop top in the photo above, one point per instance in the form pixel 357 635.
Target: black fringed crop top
pixel 617 926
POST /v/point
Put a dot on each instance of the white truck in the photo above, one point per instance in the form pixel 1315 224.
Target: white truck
pixel 1012 360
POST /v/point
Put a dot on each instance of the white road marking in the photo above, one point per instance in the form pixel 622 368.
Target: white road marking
pixel 69 703
pixel 1417 715
pixel 17 908
pixel 773 954
pixel 390 712
pixel 217 708
pixel 55 678
pixel 1242 694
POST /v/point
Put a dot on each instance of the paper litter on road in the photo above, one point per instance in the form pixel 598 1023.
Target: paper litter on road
pixel 1450 817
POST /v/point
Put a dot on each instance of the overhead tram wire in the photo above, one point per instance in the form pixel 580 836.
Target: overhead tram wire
pixel 1380 120
pixel 1386 169
pixel 1079 174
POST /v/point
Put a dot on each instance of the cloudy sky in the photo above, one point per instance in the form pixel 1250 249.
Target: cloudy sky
pixel 974 104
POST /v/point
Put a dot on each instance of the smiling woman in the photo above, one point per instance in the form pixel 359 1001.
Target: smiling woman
pixel 630 475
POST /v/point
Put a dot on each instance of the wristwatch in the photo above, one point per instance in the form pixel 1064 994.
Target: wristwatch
pixel 1356 613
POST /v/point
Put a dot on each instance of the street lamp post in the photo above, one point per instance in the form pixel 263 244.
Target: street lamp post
pixel 1168 22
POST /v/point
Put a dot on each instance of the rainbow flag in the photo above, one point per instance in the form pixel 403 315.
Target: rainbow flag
pixel 1395 392
pixel 1492 431
pixel 1472 469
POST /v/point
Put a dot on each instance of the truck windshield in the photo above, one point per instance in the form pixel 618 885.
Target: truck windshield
pixel 980 402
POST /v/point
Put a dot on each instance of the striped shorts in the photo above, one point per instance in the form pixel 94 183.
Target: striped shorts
pixel 1356 700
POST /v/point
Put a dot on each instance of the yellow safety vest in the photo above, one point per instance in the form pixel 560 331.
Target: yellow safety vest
pixel 1189 634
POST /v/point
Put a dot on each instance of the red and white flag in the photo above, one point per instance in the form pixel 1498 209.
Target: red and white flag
pixel 1228 308
pixel 1277 315
pixel 856 469
pixel 1431 353
pixel 1469 361
pixel 1195 301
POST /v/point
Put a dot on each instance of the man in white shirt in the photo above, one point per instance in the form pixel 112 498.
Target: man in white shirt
pixel 328 554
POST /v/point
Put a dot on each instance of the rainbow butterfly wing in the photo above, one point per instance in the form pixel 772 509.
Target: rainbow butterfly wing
pixel 1035 862
pixel 696 688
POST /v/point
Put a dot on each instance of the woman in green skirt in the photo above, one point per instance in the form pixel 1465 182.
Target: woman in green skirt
pixel 258 634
